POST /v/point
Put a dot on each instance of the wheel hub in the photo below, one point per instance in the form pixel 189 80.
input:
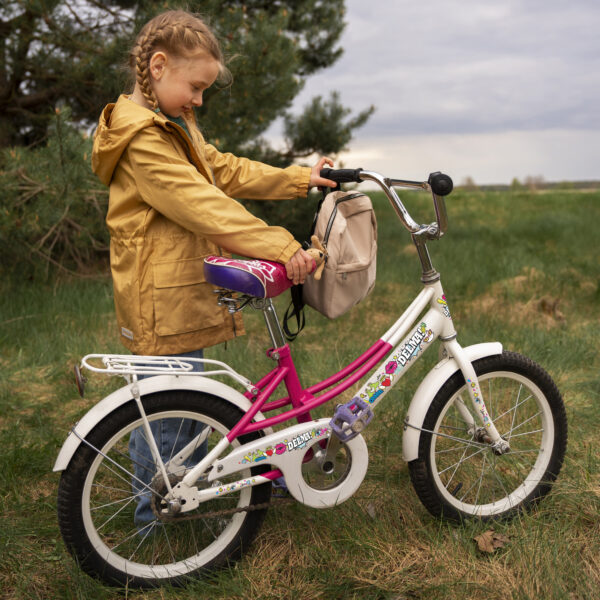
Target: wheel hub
pixel 500 447
pixel 161 507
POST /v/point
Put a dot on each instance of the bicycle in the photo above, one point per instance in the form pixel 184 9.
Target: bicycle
pixel 484 436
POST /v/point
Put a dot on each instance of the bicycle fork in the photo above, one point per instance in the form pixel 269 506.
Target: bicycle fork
pixel 488 433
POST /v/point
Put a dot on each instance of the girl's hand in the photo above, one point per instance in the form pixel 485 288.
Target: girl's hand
pixel 299 266
pixel 315 174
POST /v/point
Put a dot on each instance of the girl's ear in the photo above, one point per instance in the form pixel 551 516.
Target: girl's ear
pixel 157 64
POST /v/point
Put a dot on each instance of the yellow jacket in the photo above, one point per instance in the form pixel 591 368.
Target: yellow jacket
pixel 170 206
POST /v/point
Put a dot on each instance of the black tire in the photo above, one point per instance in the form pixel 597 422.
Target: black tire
pixel 96 502
pixel 461 477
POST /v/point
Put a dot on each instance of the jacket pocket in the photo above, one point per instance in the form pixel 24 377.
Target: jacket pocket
pixel 183 300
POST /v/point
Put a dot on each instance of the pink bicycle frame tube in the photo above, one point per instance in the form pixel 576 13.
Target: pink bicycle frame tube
pixel 304 401
pixel 318 387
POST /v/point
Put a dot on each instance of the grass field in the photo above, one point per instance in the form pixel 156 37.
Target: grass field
pixel 521 268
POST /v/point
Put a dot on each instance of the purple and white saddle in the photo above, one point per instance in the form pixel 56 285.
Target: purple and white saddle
pixel 259 278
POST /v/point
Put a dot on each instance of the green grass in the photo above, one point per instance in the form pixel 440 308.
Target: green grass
pixel 520 268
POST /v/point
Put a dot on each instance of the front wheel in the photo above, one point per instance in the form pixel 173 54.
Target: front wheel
pixel 109 480
pixel 457 475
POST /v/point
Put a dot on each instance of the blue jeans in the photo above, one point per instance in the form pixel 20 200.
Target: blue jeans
pixel 171 435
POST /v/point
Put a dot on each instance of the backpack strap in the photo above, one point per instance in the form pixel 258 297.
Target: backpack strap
pixel 334 213
pixel 295 309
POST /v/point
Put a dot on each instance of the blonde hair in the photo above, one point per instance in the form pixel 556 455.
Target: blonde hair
pixel 176 32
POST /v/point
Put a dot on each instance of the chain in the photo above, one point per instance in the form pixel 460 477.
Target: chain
pixel 215 514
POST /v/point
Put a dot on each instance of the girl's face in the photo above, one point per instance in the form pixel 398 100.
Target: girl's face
pixel 178 83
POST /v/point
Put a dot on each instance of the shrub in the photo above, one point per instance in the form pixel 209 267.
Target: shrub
pixel 52 206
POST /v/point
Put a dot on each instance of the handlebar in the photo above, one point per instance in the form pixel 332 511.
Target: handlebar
pixel 342 175
pixel 441 185
pixel 438 184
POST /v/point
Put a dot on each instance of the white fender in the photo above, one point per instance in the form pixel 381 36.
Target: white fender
pixel 285 450
pixel 147 386
pixel 427 391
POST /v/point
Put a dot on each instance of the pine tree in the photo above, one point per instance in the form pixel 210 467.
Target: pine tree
pixel 71 52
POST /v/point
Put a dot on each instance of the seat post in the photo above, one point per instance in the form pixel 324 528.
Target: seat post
pixel 272 323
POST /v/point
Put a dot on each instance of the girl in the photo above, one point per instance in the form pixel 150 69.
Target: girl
pixel 171 201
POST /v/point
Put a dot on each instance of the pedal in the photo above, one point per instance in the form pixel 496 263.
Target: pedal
pixel 350 419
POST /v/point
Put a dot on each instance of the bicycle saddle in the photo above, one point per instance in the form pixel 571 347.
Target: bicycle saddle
pixel 259 278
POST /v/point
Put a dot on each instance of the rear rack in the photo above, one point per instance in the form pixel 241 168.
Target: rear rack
pixel 131 366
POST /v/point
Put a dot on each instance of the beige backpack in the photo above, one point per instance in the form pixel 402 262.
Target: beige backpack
pixel 345 225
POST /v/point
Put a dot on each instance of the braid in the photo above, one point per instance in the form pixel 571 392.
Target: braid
pixel 177 32
pixel 141 54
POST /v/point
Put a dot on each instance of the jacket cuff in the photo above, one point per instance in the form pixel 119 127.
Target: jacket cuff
pixel 288 252
pixel 303 181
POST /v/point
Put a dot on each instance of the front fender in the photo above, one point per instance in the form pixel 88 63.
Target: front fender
pixel 427 391
pixel 147 386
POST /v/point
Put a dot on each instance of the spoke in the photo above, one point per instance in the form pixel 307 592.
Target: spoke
pixel 128 500
pixel 150 527
pixel 134 534
pixel 461 460
pixel 470 442
pixel 457 465
pixel 512 424
pixel 509 433
pixel 454 449
pixel 114 515
pixel 480 479
pixel 150 464
pixel 209 529
pixel 155 526
pixel 169 544
pixel 176 440
pixel 111 488
pixel 110 460
pixel 526 451
pixel 193 532
pixel 108 468
pixel 527 433
pixel 500 482
pixel 514 407
pixel 483 470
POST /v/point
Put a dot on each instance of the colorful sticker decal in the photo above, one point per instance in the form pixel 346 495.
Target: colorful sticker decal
pixel 477 397
pixel 444 304
pixel 285 446
pixel 225 489
pixel 405 354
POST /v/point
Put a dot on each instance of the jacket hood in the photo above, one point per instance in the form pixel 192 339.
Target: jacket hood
pixel 119 123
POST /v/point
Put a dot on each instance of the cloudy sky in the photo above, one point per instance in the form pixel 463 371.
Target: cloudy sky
pixel 491 89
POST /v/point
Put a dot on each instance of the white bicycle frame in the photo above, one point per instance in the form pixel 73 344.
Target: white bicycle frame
pixel 408 338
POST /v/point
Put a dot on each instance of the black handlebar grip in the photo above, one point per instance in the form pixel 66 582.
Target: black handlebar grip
pixel 342 175
pixel 441 185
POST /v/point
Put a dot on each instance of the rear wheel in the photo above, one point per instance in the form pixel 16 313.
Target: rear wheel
pixel 457 473
pixel 97 502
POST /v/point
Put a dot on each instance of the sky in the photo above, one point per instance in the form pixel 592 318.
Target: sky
pixel 486 89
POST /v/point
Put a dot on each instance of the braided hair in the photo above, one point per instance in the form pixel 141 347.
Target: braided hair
pixel 178 33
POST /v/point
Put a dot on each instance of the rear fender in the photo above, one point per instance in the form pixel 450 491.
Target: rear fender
pixel 147 386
